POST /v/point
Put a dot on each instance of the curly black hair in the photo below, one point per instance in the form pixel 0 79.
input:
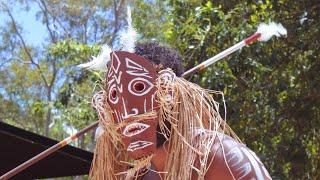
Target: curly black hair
pixel 161 55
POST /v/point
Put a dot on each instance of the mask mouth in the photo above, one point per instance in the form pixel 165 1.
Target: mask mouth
pixel 138 145
pixel 134 129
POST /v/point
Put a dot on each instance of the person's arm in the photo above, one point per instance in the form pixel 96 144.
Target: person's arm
pixel 233 160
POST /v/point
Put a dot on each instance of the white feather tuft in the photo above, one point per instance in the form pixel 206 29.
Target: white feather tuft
pixel 100 62
pixel 128 37
pixel 271 29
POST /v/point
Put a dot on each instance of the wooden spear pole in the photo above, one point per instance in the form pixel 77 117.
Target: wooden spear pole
pixel 47 152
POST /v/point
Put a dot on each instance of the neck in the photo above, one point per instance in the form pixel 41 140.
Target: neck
pixel 160 157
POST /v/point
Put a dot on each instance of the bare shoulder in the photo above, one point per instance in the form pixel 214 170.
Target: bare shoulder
pixel 230 159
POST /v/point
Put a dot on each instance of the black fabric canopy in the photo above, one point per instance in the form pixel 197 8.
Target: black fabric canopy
pixel 18 145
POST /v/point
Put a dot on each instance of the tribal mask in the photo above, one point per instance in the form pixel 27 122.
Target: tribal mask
pixel 131 95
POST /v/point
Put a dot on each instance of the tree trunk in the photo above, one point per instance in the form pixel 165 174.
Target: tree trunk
pixel 48 116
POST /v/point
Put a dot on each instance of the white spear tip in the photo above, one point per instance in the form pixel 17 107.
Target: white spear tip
pixel 271 29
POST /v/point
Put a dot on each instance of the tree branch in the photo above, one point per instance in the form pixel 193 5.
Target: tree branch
pixel 55 19
pixel 45 12
pixel 117 9
pixel 25 46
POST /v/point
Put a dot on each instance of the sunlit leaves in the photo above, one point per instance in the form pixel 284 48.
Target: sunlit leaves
pixel 270 88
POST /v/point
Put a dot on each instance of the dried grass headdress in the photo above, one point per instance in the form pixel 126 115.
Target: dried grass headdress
pixel 189 109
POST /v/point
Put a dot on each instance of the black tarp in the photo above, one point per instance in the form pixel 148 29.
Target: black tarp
pixel 18 145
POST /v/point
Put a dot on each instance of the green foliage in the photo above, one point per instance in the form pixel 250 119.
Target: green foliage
pixel 270 88
pixel 45 91
pixel 73 104
pixel 150 19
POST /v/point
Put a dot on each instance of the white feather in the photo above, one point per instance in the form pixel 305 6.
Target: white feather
pixel 128 37
pixel 99 62
pixel 271 29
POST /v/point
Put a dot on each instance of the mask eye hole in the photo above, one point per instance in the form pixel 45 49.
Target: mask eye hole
pixel 139 86
pixel 113 93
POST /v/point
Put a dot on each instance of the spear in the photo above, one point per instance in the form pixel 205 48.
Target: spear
pixel 47 152
pixel 264 33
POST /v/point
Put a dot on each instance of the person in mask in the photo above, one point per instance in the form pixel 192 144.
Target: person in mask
pixel 155 124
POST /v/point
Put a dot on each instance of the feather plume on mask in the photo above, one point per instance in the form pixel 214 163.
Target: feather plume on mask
pixel 99 63
pixel 128 37
pixel 127 40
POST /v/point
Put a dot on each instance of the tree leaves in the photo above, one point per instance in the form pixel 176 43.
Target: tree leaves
pixel 269 88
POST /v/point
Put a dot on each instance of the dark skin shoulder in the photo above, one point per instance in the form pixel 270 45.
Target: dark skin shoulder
pixel 228 159
pixel 233 160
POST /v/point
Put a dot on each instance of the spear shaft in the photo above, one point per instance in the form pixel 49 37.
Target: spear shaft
pixel 47 152
pixel 222 54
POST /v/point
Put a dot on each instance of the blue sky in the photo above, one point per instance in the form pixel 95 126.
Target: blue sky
pixel 33 30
